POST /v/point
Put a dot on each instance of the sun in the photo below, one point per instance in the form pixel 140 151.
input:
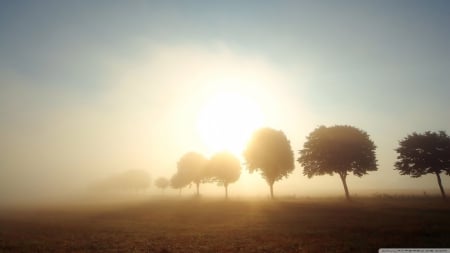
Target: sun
pixel 227 120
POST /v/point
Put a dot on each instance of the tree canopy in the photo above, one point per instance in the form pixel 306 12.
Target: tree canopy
pixel 338 149
pixel 269 151
pixel 427 153
pixel 162 183
pixel 225 168
pixel 177 181
pixel 191 167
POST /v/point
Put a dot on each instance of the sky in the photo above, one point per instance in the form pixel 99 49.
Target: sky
pixel 89 89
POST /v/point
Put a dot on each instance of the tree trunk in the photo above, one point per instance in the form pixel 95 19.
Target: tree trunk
pixel 271 190
pixel 226 191
pixel 198 188
pixel 344 182
pixel 440 185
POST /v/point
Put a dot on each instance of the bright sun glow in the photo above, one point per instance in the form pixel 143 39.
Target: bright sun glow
pixel 227 121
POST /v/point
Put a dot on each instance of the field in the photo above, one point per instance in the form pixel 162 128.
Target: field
pixel 213 225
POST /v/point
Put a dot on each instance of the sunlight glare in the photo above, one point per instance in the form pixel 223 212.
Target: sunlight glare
pixel 227 120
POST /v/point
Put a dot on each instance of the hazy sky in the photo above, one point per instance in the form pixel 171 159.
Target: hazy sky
pixel 89 89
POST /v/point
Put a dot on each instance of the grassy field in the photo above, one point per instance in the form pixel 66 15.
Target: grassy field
pixel 199 225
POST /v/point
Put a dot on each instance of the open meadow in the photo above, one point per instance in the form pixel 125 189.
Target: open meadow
pixel 214 225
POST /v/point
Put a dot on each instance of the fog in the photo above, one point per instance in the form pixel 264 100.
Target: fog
pixel 79 107
pixel 57 143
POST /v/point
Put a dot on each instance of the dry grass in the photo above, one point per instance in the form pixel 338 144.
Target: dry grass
pixel 332 225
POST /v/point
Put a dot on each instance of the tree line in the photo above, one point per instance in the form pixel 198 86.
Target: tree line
pixel 339 149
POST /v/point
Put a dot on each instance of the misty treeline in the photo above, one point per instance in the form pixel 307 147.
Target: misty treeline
pixel 339 149
pixel 223 168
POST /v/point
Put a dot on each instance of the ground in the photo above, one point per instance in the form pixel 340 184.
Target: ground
pixel 214 225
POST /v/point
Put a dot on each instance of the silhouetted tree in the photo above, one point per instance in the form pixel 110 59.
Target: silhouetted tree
pixel 427 153
pixel 192 166
pixel 269 151
pixel 224 168
pixel 162 183
pixel 178 181
pixel 338 149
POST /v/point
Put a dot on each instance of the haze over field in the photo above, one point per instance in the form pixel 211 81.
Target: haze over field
pixel 90 90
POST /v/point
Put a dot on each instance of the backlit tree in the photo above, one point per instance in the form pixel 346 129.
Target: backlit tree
pixel 224 168
pixel 338 149
pixel 427 153
pixel 192 166
pixel 162 183
pixel 269 151
pixel 178 181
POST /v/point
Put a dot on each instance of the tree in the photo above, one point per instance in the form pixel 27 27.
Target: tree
pixel 177 181
pixel 192 166
pixel 338 149
pixel 269 151
pixel 162 183
pixel 224 168
pixel 427 153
